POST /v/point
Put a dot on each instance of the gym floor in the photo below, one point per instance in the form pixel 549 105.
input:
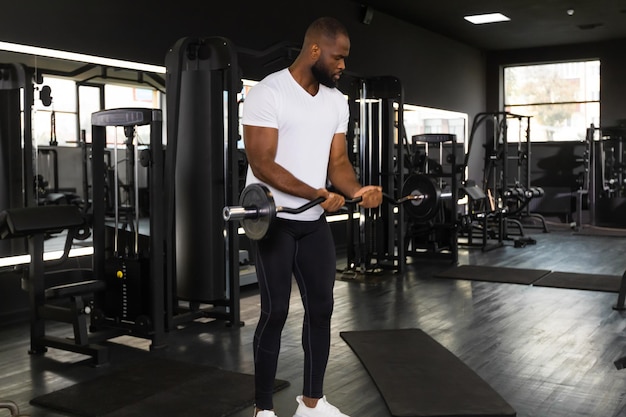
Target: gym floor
pixel 548 352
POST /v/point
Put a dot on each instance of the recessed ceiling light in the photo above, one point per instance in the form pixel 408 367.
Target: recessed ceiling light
pixel 480 19
pixel 72 56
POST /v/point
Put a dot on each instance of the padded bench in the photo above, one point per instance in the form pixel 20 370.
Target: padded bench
pixel 67 301
pixel 28 221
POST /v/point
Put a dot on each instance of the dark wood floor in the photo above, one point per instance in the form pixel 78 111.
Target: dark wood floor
pixel 548 352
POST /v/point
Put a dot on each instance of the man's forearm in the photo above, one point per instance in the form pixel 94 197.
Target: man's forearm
pixel 343 178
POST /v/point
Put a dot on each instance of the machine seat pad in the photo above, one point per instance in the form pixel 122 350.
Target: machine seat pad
pixel 26 221
pixel 75 288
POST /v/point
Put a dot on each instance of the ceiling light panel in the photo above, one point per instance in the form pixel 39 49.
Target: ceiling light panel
pixel 481 19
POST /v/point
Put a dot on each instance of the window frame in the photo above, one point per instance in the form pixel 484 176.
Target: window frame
pixel 587 109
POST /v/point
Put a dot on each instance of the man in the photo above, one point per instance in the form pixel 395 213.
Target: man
pixel 294 127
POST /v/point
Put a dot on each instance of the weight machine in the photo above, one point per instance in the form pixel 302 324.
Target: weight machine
pixel 149 275
pixel 54 294
pixel 128 260
pixel 180 269
pixel 432 229
pixel 381 239
pixel 375 236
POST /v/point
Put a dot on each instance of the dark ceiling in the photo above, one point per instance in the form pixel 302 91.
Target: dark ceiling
pixel 534 23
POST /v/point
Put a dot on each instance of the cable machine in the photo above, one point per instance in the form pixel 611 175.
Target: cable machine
pixel 128 260
pixel 177 269
pixel 374 237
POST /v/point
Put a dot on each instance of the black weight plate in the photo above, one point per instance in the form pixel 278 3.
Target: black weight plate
pixel 259 197
pixel 426 208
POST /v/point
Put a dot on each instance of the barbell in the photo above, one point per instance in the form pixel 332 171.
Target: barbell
pixel 257 210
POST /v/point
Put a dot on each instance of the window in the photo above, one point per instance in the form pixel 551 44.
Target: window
pixel 130 96
pixel 563 99
pixel 89 103
pixel 62 127
pixel 119 96
pixel 418 119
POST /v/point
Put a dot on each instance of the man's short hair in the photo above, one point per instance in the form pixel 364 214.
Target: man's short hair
pixel 329 27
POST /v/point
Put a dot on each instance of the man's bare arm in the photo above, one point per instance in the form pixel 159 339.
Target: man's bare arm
pixel 341 174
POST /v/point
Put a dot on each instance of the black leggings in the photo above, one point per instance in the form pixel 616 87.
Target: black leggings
pixel 306 251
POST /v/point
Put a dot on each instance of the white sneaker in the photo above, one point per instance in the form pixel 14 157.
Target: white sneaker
pixel 266 413
pixel 322 409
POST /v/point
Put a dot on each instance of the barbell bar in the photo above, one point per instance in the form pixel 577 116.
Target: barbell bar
pixel 257 210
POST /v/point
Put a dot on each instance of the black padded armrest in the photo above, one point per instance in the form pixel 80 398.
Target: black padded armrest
pixel 75 288
pixel 20 222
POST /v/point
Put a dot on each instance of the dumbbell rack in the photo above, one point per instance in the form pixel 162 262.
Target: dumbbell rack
pixel 522 179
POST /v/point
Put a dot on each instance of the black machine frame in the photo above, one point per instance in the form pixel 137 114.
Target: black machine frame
pixel 138 291
pixel 195 67
pixel 507 197
pixel 375 237
pixel 171 287
pixel 604 183
pixel 382 239
pixel 186 270
pixel 17 86
pixel 131 269
pixel 437 237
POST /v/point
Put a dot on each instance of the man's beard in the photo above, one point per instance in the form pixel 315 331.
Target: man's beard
pixel 322 76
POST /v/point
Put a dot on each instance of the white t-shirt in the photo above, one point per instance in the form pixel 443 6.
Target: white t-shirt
pixel 306 125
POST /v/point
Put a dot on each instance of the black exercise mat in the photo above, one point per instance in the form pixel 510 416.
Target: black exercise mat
pixel 417 376
pixel 580 281
pixel 493 274
pixel 157 388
